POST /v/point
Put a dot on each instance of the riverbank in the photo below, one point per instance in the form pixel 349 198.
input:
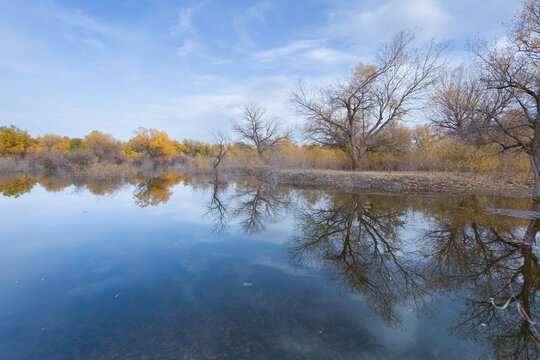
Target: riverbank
pixel 403 182
pixel 394 182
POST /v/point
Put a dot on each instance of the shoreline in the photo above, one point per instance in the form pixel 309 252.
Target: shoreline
pixel 403 182
pixel 508 185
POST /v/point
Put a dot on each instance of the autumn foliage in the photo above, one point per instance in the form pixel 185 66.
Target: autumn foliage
pixel 423 148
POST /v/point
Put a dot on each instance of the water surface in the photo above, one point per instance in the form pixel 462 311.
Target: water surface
pixel 175 267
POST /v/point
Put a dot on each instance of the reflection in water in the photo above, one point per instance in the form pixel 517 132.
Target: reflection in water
pixel 16 186
pixel 492 267
pixel 155 190
pixel 259 204
pixel 357 238
pixel 216 209
pixel 253 204
pixel 484 266
pixel 150 189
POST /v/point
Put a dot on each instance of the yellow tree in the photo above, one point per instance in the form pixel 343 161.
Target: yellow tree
pixel 103 146
pixel 14 141
pixel 151 142
pixel 51 142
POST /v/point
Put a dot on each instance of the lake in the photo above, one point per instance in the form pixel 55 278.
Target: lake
pixel 176 267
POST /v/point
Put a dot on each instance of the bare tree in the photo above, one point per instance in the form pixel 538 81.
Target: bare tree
pixel 452 107
pixel 461 107
pixel 260 130
pixel 218 151
pixel 511 71
pixel 353 114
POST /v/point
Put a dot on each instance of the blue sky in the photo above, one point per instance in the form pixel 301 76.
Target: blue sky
pixel 186 67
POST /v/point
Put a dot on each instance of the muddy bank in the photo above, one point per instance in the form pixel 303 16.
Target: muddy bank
pixel 403 182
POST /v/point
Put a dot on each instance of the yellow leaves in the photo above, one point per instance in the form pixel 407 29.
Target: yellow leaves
pixel 179 147
pixel 289 155
pixel 50 142
pixel 97 140
pixel 155 191
pixel 194 148
pixel 152 143
pixel 525 27
pixel 362 70
pixel 16 187
pixel 14 141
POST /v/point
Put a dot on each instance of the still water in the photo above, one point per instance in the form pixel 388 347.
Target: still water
pixel 175 267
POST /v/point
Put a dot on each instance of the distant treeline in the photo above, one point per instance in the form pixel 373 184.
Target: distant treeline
pixel 423 148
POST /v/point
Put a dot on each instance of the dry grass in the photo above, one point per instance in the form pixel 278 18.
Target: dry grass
pixel 402 182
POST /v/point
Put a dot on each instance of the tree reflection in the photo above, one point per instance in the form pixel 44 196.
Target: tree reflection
pixel 357 238
pixel 254 204
pixel 485 263
pixel 102 187
pixel 491 266
pixel 155 190
pixel 216 209
pixel 16 186
pixel 258 204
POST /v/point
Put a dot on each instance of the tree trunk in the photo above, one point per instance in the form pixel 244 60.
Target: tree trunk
pixel 535 168
pixel 358 154
pixel 216 174
pixel 354 156
pixel 356 163
pixel 535 154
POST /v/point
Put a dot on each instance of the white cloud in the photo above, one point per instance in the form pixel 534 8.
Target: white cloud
pixel 305 53
pixel 287 50
pixel 502 43
pixel 191 47
pixel 184 25
pixel 195 115
pixel 368 26
pixel 79 21
pixel 330 56
pixel 243 21
pixel 184 20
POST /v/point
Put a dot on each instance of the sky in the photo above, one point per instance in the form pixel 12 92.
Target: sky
pixel 187 67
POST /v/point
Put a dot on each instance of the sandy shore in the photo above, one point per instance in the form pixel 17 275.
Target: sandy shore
pixel 403 182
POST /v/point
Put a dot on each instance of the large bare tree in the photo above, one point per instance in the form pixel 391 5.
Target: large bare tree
pixel 354 114
pixel 512 70
pixel 461 107
pixel 452 105
pixel 260 130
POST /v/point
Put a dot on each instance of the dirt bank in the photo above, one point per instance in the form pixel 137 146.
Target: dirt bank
pixel 403 182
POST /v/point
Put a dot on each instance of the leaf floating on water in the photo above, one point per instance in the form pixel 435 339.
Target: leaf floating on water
pixel 117 295
pixel 42 279
pixel 321 332
pixel 85 212
pixel 246 284
pixel 43 330
pixel 483 325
